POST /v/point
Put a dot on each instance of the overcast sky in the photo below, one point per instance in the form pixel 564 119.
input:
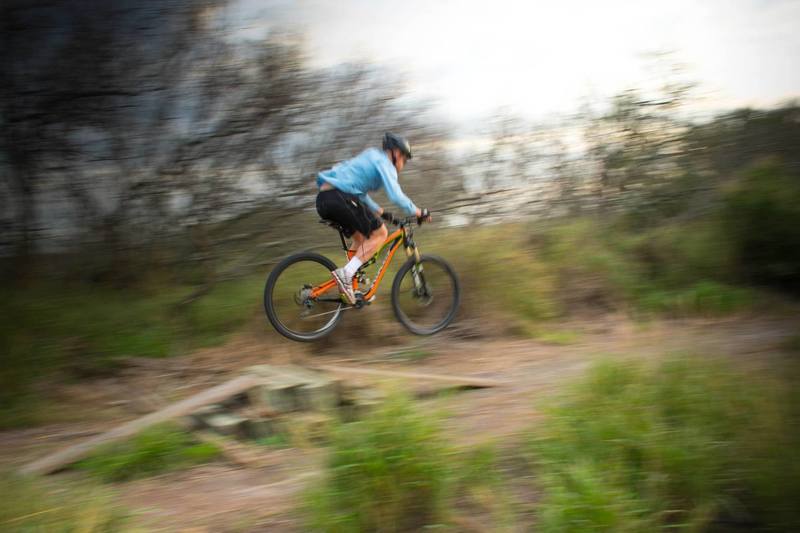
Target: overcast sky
pixel 540 58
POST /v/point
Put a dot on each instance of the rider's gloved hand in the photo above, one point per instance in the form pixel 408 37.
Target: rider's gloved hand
pixel 387 216
pixel 423 216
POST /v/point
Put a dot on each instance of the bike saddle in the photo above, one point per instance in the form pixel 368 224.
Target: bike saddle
pixel 335 225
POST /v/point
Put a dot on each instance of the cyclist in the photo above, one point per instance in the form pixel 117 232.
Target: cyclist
pixel 343 199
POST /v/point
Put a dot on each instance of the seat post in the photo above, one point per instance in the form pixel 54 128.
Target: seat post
pixel 337 227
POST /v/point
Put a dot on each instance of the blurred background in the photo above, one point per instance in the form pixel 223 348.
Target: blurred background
pixel 595 171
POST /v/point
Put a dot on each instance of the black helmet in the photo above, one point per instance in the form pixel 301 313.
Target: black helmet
pixel 390 140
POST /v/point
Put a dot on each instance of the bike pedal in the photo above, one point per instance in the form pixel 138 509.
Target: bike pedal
pixel 361 302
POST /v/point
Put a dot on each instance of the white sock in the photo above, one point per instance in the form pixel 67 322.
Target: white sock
pixel 351 267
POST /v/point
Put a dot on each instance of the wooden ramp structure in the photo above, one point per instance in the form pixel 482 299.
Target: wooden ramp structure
pixel 456 381
pixel 67 456
pixel 62 458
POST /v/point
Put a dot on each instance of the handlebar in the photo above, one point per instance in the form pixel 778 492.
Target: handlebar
pixel 405 221
pixel 389 217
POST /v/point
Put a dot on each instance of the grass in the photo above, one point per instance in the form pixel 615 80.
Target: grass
pixel 550 269
pixel 392 471
pixel 686 445
pixel 503 283
pixel 556 337
pixel 84 330
pixel 109 323
pixel 155 450
pixel 387 472
pixel 703 298
pixel 676 270
pixel 19 406
pixel 792 344
pixel 479 485
pixel 28 505
pixel 526 275
pixel 225 309
pixel 278 440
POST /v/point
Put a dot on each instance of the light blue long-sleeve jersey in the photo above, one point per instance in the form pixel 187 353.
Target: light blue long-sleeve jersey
pixel 368 171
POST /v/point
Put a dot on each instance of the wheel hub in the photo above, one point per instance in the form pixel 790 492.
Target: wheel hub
pixel 303 297
pixel 423 296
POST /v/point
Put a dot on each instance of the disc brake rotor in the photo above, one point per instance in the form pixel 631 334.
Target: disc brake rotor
pixel 303 297
pixel 423 296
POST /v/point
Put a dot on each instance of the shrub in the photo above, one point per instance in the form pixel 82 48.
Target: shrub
pixel 762 216
pixel 386 472
pixel 684 445
pixel 500 275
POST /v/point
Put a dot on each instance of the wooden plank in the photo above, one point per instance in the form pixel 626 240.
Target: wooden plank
pixel 69 455
pixel 464 381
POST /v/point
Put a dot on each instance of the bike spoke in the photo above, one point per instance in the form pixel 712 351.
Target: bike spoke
pixel 293 304
pixel 328 312
pixel 427 297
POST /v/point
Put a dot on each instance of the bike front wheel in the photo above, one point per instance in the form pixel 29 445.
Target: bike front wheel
pixel 425 295
pixel 300 299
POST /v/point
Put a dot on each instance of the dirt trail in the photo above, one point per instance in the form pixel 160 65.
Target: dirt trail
pixel 220 497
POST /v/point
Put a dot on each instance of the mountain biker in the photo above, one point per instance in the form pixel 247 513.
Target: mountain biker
pixel 343 199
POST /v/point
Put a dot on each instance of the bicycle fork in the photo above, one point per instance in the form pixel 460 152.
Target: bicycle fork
pixel 420 288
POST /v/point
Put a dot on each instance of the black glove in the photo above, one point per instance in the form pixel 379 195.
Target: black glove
pixel 424 216
pixel 387 216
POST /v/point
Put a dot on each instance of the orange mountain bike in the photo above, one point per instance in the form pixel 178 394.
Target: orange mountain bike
pixel 303 303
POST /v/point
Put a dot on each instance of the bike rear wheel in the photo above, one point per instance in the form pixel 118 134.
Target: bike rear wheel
pixel 425 295
pixel 289 303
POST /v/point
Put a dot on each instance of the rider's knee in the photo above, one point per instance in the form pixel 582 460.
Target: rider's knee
pixel 381 232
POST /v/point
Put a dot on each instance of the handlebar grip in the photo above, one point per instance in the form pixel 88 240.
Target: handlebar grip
pixel 389 217
pixel 425 213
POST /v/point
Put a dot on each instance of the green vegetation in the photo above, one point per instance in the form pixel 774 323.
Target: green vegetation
pixel 479 484
pixel 676 270
pixel 679 443
pixel 392 472
pixel 698 266
pixel 685 444
pixel 554 269
pixel 83 330
pixel 209 320
pixel 702 298
pixel 155 450
pixel 762 217
pixel 149 322
pixel 556 337
pixel 278 440
pixel 541 272
pixel 28 505
pixel 386 472
pixel 19 406
pixel 505 281
pixel 665 213
pixel 792 344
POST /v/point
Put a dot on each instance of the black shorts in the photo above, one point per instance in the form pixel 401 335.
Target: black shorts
pixel 348 211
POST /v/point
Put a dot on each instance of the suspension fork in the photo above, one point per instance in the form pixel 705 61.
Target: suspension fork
pixel 416 270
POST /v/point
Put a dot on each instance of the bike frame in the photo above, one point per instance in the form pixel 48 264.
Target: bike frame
pixel 400 236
